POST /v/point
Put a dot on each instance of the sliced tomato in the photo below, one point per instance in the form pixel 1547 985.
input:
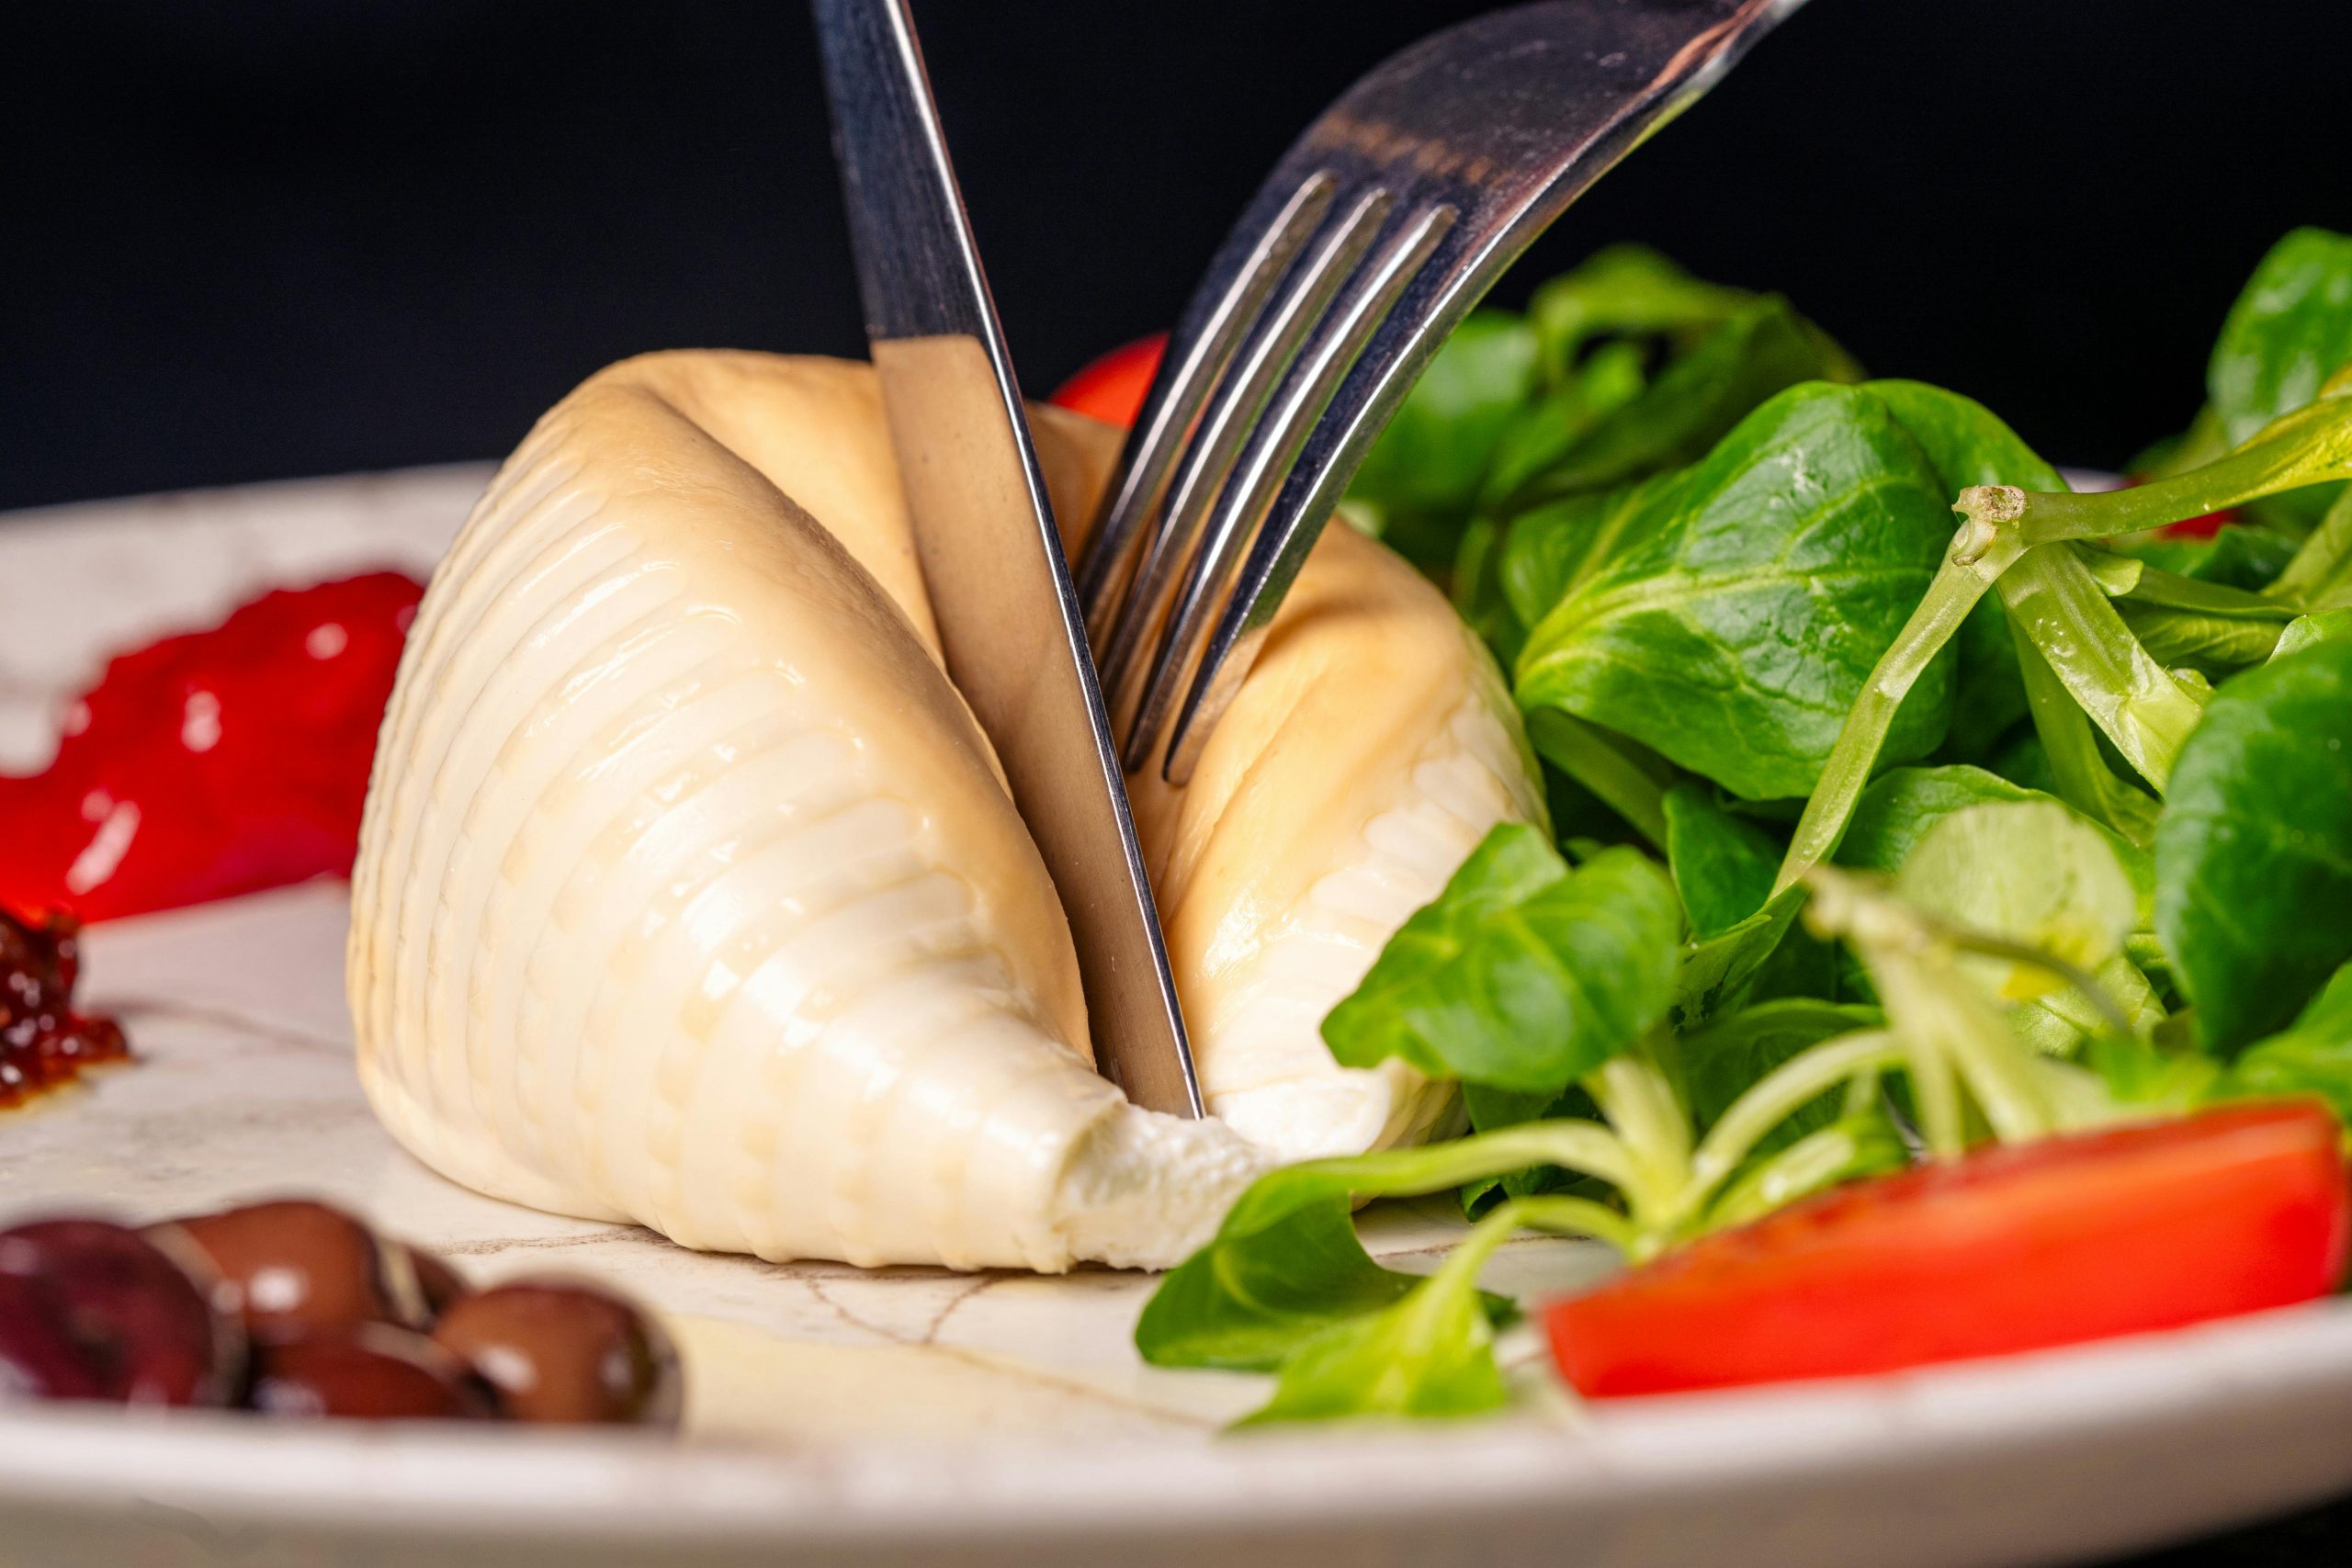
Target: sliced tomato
pixel 2124 1231
pixel 1112 389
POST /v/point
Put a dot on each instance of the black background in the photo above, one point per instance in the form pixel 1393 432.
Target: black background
pixel 247 239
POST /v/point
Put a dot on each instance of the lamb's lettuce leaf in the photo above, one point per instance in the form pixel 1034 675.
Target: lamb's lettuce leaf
pixel 1255 1294
pixel 1522 973
pixel 1902 804
pixel 2325 625
pixel 2031 873
pixel 1421 475
pixel 1619 293
pixel 1721 1061
pixel 2243 555
pixel 1430 1352
pixel 2288 331
pixel 1285 1264
pixel 2254 853
pixel 1759 349
pixel 1733 619
pixel 2205 625
pixel 1722 865
pixel 2313 1057
pixel 1719 973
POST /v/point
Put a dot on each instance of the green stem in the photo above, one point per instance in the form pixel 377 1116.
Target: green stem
pixel 1969 569
pixel 1772 1098
pixel 2323 559
pixel 1458 1275
pixel 2052 599
pixel 1586 1147
pixel 2084 781
pixel 2080 980
pixel 1862 1093
pixel 2170 590
pixel 1818 1160
pixel 1643 1111
pixel 1586 755
pixel 1577 1216
pixel 2308 447
pixel 1948 1027
pixel 1935 1091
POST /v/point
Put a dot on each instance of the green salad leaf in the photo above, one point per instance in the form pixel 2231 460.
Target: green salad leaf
pixel 2033 776
pixel 1901 804
pixel 1621 292
pixel 1759 349
pixel 1721 865
pixel 1717 973
pixel 2325 625
pixel 1255 1294
pixel 1523 975
pixel 2254 853
pixel 2244 555
pixel 1423 474
pixel 2208 625
pixel 1429 1353
pixel 2028 872
pixel 1734 617
pixel 1721 1061
pixel 2311 1057
pixel 1286 1264
pixel 2319 577
pixel 2290 331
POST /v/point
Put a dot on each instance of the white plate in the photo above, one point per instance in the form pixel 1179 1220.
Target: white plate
pixel 911 1415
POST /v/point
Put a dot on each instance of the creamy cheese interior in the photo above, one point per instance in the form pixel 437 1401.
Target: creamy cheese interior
pixel 689 892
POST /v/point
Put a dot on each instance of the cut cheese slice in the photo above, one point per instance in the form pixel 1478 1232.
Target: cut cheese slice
pixel 689 893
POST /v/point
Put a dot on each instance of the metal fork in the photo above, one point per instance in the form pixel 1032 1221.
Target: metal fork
pixel 1374 235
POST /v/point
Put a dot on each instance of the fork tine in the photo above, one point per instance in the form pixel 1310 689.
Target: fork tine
pixel 1245 505
pixel 1304 298
pixel 1207 340
pixel 1396 344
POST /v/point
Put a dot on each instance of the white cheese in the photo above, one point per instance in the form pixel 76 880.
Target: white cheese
pixel 690 894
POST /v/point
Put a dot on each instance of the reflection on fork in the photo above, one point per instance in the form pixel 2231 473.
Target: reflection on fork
pixel 1374 235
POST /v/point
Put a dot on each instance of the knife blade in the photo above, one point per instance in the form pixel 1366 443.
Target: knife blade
pixel 1000 588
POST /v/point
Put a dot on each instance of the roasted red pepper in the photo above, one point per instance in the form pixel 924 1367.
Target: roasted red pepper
pixel 213 763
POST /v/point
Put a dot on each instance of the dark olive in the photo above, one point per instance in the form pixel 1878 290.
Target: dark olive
pixel 443 1286
pixel 137 1321
pixel 558 1351
pixel 38 1360
pixel 297 1267
pixel 368 1371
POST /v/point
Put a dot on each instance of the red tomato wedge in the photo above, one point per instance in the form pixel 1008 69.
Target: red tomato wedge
pixel 1112 389
pixel 2123 1231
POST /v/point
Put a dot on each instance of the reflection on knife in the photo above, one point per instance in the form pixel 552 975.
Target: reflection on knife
pixel 1008 616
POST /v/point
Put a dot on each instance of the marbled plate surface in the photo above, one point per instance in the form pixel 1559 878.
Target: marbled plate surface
pixel 841 1415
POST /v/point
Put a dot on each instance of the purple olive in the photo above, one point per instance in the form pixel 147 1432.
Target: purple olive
pixel 138 1322
pixel 369 1372
pixel 560 1352
pixel 295 1267
pixel 38 1360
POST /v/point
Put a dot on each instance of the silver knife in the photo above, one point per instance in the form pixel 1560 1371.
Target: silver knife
pixel 1000 586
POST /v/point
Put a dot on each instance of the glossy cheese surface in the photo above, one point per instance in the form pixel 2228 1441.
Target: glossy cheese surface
pixel 689 893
